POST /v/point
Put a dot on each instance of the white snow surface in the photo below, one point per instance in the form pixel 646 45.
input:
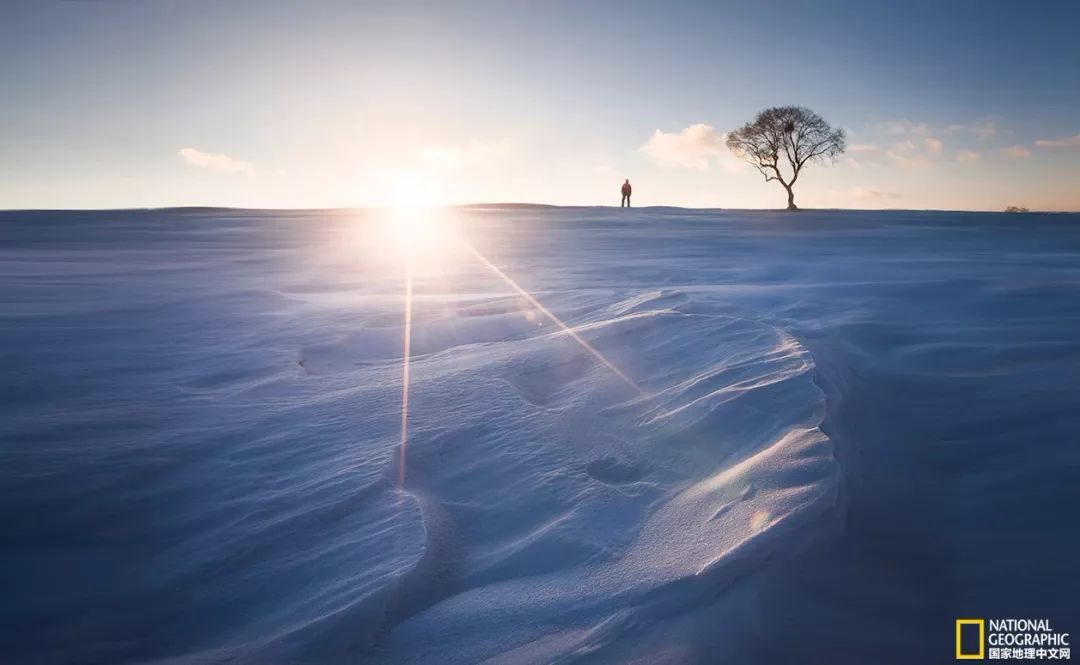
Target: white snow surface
pixel 807 429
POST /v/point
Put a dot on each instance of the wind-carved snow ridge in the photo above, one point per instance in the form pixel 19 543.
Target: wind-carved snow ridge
pixel 563 509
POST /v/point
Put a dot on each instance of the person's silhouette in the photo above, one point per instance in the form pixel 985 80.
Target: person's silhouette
pixel 625 194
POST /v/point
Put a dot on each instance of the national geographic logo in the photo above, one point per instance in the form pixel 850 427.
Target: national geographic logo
pixel 964 629
pixel 1010 639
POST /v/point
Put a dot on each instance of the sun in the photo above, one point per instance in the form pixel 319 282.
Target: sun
pixel 409 231
pixel 410 219
pixel 408 191
pixel 409 226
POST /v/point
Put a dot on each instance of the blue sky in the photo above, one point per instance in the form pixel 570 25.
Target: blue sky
pixel 128 103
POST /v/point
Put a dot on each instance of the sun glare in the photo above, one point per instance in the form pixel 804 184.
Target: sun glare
pixel 411 224
pixel 411 191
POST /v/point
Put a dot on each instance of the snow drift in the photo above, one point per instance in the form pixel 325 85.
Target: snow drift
pixel 745 435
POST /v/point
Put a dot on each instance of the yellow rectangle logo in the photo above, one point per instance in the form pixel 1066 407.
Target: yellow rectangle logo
pixel 981 623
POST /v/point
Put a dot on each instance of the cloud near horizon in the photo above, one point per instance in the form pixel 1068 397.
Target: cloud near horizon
pixel 1067 142
pixel 692 148
pixel 215 161
pixel 968 156
pixel 1016 152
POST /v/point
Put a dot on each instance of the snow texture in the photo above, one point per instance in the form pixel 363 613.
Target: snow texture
pixel 837 432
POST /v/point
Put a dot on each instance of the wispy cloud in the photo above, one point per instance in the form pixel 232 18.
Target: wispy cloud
pixel 1016 152
pixel 866 153
pixel 1067 142
pixel 968 156
pixel 895 127
pixel 215 161
pixel 908 154
pixel 692 148
pixel 981 129
pixel 864 148
pixel 467 155
pixel 915 149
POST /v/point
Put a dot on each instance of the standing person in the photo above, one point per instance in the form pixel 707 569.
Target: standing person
pixel 625 194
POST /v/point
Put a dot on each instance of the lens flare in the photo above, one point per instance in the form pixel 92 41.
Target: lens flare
pixel 411 231
pixel 559 322
pixel 405 366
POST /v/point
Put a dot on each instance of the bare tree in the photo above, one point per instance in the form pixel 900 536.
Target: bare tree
pixel 795 132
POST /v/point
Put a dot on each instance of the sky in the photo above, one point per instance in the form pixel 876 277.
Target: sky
pixel 324 103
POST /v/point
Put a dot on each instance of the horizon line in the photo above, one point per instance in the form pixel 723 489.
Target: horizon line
pixel 519 206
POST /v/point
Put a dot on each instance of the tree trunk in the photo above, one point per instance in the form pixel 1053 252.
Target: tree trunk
pixel 791 199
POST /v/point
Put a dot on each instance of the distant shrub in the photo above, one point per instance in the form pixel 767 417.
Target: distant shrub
pixel 1016 209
